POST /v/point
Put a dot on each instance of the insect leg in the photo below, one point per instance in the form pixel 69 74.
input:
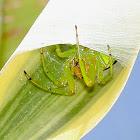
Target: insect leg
pixel 99 67
pixel 81 63
pixel 72 67
pixel 105 65
pixel 60 91
pixel 69 76
pixel 48 73
pixel 109 76
pixel 105 79
pixel 110 61
pixel 63 79
pixel 64 54
pixel 92 73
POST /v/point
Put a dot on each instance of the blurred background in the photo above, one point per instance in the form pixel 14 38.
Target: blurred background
pixel 16 18
pixel 123 121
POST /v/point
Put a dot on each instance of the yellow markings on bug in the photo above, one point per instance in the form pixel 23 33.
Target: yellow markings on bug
pixel 28 77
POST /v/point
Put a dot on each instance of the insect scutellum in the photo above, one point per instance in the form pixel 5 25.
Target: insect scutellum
pixel 82 62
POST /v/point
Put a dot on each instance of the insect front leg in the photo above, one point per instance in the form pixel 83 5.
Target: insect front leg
pixel 89 80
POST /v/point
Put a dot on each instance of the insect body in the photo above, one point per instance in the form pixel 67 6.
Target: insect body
pixel 83 62
pixel 77 70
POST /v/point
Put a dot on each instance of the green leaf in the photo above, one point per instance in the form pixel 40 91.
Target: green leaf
pixel 27 112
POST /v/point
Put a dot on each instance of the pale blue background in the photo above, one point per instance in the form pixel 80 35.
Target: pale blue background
pixel 123 120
